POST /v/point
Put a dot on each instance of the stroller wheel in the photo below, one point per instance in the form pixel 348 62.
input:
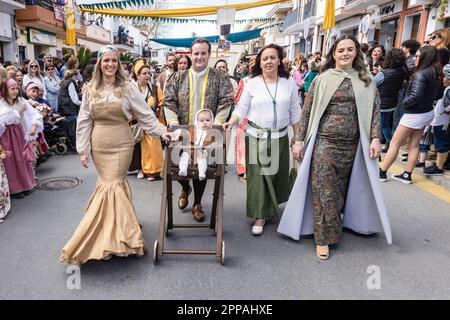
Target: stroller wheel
pixel 61 148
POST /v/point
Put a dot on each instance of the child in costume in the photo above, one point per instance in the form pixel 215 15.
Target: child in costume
pixel 200 135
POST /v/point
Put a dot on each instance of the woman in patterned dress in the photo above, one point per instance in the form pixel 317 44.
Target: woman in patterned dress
pixel 339 142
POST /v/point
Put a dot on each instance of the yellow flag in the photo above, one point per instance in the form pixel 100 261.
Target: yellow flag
pixel 70 27
pixel 328 20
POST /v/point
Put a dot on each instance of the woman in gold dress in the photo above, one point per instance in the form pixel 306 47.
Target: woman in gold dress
pixel 109 226
pixel 152 161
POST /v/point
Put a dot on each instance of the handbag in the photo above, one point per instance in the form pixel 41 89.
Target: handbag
pixel 29 152
pixel 137 132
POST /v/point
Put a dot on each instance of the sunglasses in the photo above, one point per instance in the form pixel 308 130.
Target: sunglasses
pixel 434 36
pixel 50 69
pixel 33 67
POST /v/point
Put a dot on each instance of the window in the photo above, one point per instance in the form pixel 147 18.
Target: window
pixel 415 27
pixel 22 55
pixel 388 33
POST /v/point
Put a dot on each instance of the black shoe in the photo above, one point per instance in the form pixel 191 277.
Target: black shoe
pixel 383 175
pixel 27 193
pixel 433 171
pixel 420 165
pixel 17 195
pixel 386 148
pixel 447 166
pixel 404 177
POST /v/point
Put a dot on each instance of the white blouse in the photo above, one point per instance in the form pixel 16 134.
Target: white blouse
pixel 256 104
pixel 133 103
pixel 30 117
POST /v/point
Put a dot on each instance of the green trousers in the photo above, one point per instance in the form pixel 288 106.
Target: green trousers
pixel 267 181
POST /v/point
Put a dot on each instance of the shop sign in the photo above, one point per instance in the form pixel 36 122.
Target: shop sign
pixel 41 37
pixel 386 10
pixel 389 9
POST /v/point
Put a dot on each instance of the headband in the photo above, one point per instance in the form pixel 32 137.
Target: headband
pixel 139 65
pixel 11 82
pixel 32 85
pixel 106 49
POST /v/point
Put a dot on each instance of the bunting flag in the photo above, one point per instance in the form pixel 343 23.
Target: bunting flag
pixel 233 37
pixel 145 20
pixel 70 27
pixel 104 8
pixel 121 4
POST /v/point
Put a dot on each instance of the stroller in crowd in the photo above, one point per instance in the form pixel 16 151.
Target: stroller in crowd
pixel 55 134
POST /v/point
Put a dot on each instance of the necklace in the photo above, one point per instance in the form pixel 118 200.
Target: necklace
pixel 108 85
pixel 274 101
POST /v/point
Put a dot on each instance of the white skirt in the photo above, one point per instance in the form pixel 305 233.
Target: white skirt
pixel 417 120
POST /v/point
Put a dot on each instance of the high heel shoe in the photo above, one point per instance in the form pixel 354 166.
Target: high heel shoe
pixel 323 252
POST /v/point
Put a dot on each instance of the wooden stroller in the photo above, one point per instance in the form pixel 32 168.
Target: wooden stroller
pixel 215 171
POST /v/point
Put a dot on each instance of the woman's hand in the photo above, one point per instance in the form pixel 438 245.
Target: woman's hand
pixel 32 131
pixel 84 158
pixel 167 136
pixel 298 150
pixel 5 154
pixel 227 125
pixel 375 148
pixel 21 109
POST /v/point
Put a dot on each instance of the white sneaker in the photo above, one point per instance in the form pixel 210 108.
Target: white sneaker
pixel 257 230
pixel 202 167
pixel 183 165
pixel 140 175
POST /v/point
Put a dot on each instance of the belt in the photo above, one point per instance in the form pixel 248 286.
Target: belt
pixel 262 131
pixel 264 144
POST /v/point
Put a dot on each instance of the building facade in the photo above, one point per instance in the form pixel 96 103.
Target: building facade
pixel 389 22
pixel 41 29
pixel 9 50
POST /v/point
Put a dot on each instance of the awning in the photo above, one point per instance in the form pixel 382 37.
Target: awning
pixel 186 42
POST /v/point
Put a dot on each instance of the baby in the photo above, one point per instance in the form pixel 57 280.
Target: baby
pixel 199 137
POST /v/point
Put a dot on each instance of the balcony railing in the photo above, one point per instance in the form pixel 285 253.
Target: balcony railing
pixel 291 19
pixel 47 4
pixel 129 41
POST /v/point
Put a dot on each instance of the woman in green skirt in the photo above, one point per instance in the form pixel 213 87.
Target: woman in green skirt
pixel 270 102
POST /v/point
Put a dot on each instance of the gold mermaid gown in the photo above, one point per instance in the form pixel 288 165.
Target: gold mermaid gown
pixel 110 225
